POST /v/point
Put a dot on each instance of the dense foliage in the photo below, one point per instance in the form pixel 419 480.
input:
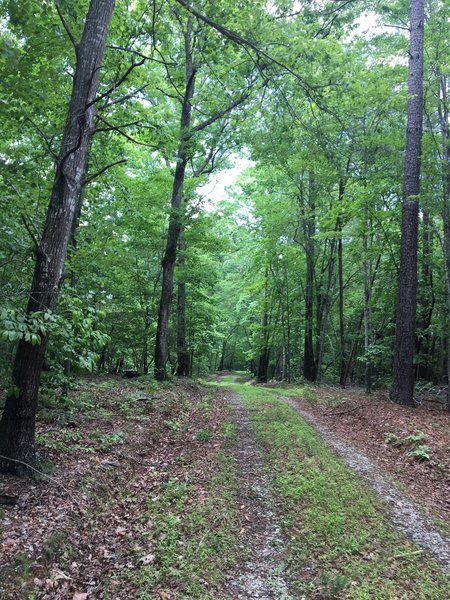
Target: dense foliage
pixel 295 274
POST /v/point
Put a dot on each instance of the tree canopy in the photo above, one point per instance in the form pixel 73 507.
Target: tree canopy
pixel 295 273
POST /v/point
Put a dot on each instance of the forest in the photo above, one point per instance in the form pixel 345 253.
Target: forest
pixel 258 188
pixel 296 273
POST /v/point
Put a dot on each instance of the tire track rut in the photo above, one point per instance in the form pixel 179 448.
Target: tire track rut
pixel 260 576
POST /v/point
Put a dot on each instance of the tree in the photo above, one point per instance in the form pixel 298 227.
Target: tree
pixel 17 427
pixel 402 390
pixel 196 46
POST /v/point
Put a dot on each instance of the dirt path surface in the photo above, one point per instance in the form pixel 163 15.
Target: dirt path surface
pixel 405 515
pixel 260 574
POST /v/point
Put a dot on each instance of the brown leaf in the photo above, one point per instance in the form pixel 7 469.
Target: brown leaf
pixel 80 596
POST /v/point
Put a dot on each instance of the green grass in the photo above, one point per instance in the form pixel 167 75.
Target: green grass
pixel 195 536
pixel 307 392
pixel 341 544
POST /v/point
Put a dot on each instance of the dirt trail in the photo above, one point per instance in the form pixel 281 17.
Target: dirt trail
pixel 406 516
pixel 261 573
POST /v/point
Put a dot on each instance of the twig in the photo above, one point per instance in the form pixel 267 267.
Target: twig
pixel 118 83
pixel 118 130
pixel 141 55
pixel 344 412
pixel 66 27
pixel 396 26
pixel 30 233
pixel 101 171
pixel 138 462
pixel 404 554
pixel 219 114
pixel 123 98
pixel 52 479
pixel 47 141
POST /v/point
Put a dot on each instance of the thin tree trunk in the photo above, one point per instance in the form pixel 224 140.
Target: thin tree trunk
pixel 288 328
pixel 183 362
pixel 324 308
pixel 402 390
pixel 263 361
pixel 17 427
pixel 144 356
pixel 367 311
pixel 445 133
pixel 223 355
pixel 309 219
pixel 427 303
pixel 342 369
pixel 176 217
pixel 355 344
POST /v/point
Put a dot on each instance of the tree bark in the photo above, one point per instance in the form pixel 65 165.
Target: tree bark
pixel 175 221
pixel 309 360
pixel 427 301
pixel 17 427
pixel 402 390
pixel 183 362
pixel 445 133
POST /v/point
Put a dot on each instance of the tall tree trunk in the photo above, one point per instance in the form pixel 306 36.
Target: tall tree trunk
pixel 144 355
pixel 264 350
pixel 324 303
pixel 309 219
pixel 176 217
pixel 367 313
pixel 17 427
pixel 342 370
pixel 402 390
pixel 183 362
pixel 287 329
pixel 444 117
pixel 223 355
pixel 424 368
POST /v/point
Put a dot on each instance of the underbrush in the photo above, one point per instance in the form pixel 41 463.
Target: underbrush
pixel 147 490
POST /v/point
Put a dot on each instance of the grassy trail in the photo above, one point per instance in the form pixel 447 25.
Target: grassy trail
pixel 185 491
pixel 340 541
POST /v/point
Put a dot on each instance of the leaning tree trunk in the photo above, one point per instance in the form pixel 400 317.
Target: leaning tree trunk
pixel 17 427
pixel 402 390
pixel 175 222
